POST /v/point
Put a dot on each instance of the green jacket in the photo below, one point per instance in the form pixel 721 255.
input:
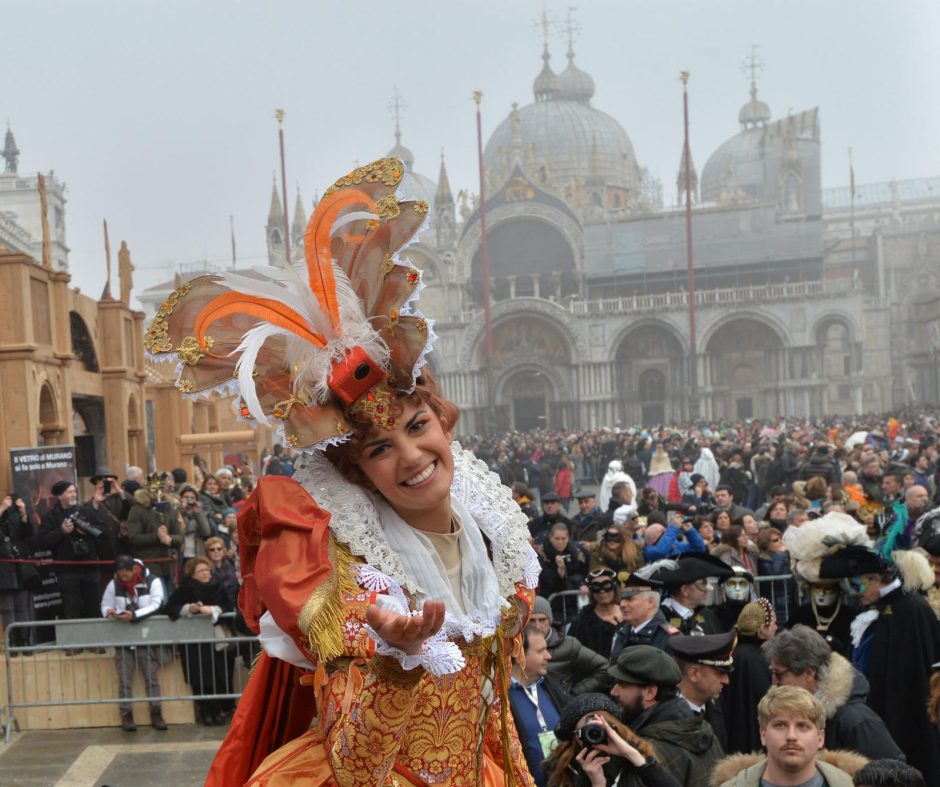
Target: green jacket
pixel 142 523
pixel 685 744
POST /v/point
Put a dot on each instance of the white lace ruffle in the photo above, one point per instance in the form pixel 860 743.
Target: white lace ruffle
pixel 860 625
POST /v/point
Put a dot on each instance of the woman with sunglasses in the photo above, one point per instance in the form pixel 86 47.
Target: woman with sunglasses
pixel 597 622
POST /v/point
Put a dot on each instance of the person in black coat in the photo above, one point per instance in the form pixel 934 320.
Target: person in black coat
pixel 896 650
pixel 69 532
pixel 206 669
pixel 15 534
pixel 540 527
pixel 827 613
pixel 564 567
pixel 750 678
pixel 802 657
pixel 596 624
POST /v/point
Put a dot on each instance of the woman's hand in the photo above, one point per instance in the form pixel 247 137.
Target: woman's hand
pixel 617 745
pixel 592 762
pixel 404 631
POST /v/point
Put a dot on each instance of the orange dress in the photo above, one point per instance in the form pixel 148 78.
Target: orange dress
pixel 357 718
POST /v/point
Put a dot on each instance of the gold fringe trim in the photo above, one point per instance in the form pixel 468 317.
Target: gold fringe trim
pixel 324 614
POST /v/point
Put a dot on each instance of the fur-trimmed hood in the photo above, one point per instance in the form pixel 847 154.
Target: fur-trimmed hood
pixel 733 770
pixel 835 690
pixel 916 573
pixel 142 498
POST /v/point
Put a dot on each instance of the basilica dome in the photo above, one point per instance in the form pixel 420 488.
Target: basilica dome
pixel 563 137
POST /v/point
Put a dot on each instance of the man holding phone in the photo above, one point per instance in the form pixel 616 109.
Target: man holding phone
pixel 154 532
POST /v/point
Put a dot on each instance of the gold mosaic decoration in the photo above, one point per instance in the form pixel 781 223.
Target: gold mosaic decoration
pixel 388 207
pixel 387 171
pixel 157 337
pixel 189 351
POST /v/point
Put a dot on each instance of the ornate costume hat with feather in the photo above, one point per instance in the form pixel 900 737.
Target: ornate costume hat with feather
pixel 305 349
pixel 815 540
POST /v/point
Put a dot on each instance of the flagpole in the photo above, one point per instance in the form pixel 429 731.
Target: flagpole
pixel 279 114
pixel 231 224
pixel 485 259
pixel 852 208
pixel 687 156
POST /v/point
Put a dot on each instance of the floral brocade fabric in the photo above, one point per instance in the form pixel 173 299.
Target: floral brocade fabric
pixel 381 725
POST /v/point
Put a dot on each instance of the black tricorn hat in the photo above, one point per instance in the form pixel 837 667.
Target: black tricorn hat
pixel 852 561
pixel 691 567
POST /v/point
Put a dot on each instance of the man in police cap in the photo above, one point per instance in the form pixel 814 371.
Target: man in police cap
pixel 643 620
pixel 551 515
pixel 686 581
pixel 706 664
pixel 896 650
pixel 645 687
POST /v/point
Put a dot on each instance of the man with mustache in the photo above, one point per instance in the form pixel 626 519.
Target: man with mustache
pixel 792 729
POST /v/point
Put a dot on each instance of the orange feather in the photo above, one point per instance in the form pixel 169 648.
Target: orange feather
pixel 317 247
pixel 262 308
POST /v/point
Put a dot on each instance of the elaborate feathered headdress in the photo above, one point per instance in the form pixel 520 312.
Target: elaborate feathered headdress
pixel 814 540
pixel 308 351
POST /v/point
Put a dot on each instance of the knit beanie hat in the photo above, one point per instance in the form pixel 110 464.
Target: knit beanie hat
pixel 542 607
pixel 754 615
pixel 581 706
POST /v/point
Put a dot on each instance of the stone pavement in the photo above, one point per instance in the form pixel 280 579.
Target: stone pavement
pixel 110 757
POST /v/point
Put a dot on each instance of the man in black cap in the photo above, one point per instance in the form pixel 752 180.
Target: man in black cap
pixel 643 620
pixel 645 688
pixel 895 652
pixel 706 664
pixel 688 586
pixel 67 532
pixel 551 515
pixel 585 521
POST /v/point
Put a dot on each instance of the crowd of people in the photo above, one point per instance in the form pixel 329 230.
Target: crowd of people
pixel 714 565
pixel 144 545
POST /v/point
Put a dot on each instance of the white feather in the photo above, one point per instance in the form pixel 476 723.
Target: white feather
pixel 300 300
pixel 250 346
pixel 349 218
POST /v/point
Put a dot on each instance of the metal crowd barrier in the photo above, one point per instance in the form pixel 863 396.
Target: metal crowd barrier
pixel 780 589
pixel 46 677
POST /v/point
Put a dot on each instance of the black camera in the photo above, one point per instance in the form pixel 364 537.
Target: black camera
pixel 86 528
pixel 592 734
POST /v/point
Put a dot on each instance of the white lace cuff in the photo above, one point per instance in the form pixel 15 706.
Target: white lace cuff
pixel 438 655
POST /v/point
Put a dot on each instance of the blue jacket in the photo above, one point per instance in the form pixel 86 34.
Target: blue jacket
pixel 669 546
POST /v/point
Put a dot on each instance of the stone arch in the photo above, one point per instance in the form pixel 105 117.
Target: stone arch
pixel 650 365
pixel 83 346
pixel 530 256
pixel 527 394
pixel 766 319
pixel 744 359
pixel 50 423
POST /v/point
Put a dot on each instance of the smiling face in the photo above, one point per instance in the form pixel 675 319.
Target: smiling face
pixel 412 465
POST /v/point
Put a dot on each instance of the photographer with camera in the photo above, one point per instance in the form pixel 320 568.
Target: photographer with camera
pixel 564 567
pixel 106 510
pixel 16 579
pixel 535 701
pixel 596 749
pixel 153 529
pixel 70 533
pixel 132 595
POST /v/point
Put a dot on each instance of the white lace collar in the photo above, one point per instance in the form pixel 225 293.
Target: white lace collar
pixel 354 519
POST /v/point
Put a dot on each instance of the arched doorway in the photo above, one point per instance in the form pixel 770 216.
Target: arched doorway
pixel 744 361
pixel 651 388
pixel 49 426
pixel 651 375
pixel 528 395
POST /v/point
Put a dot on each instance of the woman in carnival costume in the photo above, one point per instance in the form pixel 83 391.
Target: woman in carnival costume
pixel 390 578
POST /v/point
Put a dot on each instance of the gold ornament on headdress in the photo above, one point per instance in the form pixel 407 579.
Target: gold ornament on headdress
pixel 311 351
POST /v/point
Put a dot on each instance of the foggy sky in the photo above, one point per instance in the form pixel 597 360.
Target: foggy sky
pixel 159 115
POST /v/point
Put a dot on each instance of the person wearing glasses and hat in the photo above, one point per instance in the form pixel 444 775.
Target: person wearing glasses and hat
pixel 686 581
pixel 706 664
pixel 896 639
pixel 643 620
pixel 596 623
pixel 645 688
